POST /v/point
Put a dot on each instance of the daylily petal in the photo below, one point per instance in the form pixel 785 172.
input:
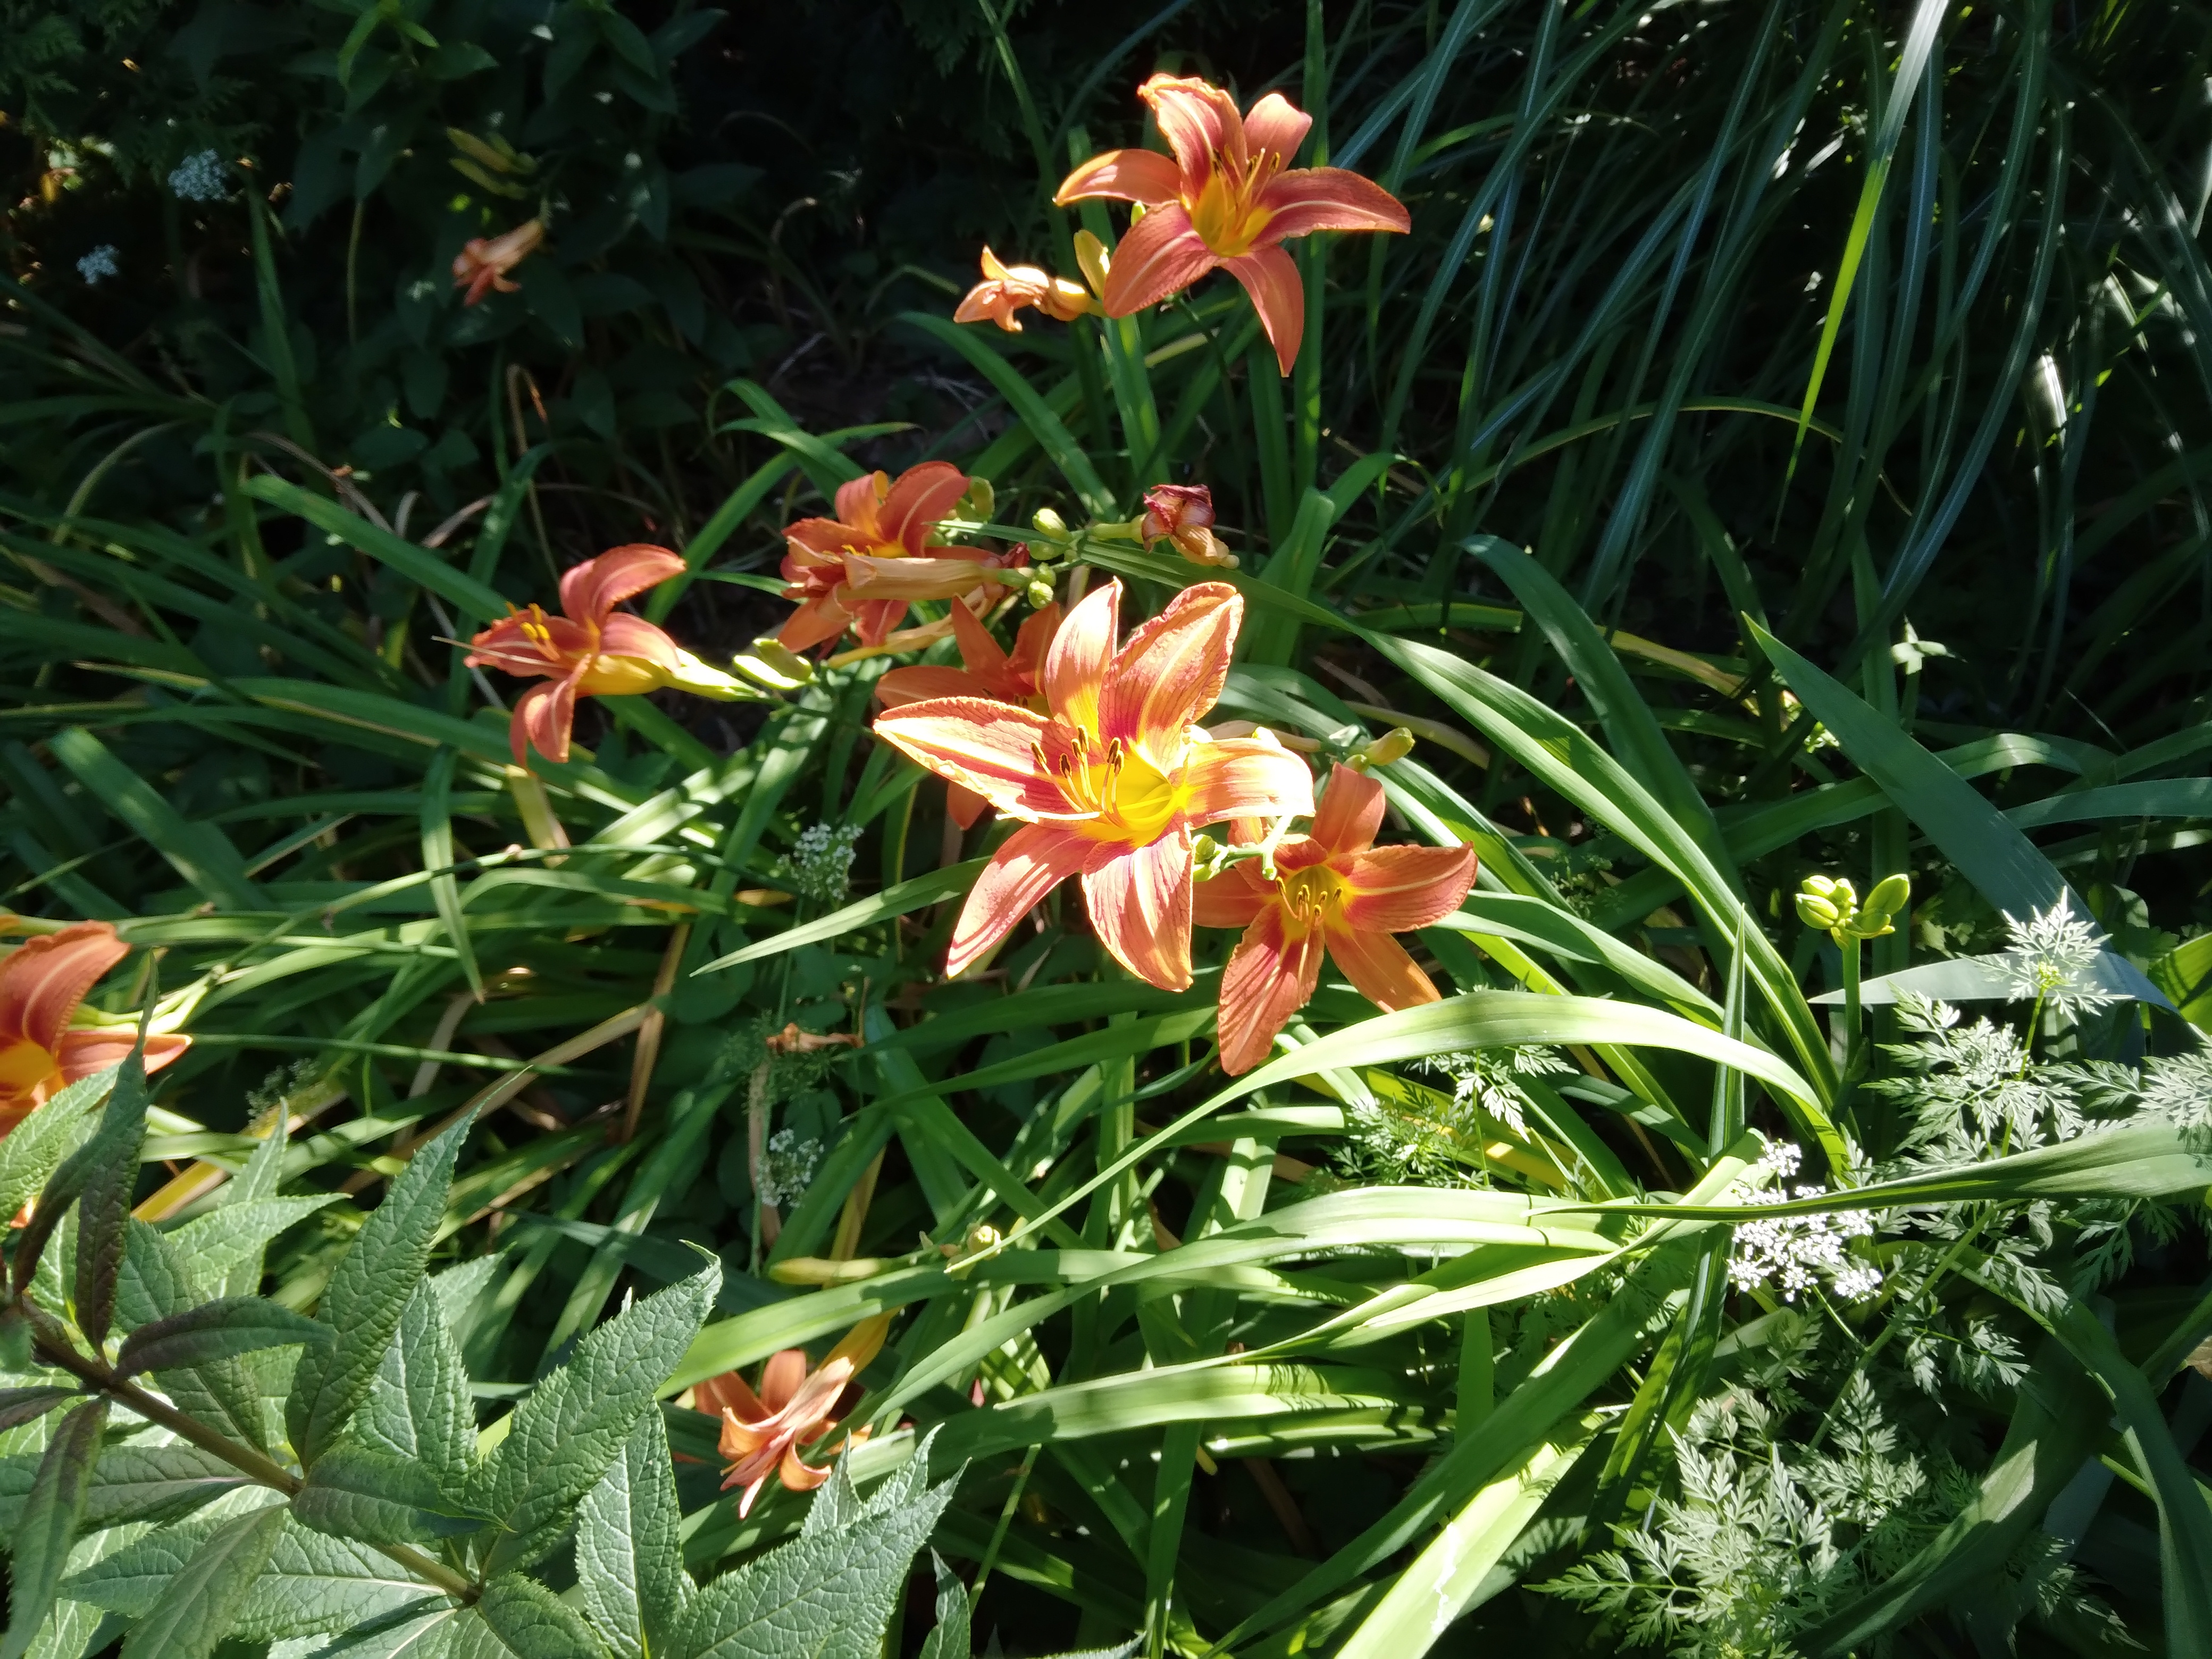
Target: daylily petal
pixel 858 500
pixel 87 1054
pixel 797 1476
pixel 1122 175
pixel 922 495
pixel 813 622
pixel 1276 127
pixel 1351 811
pixel 823 536
pixel 1075 666
pixel 1307 199
pixel 873 619
pixel 1245 778
pixel 1032 641
pixel 45 978
pixel 942 578
pixel 1172 670
pixel 1271 976
pixel 1140 903
pixel 1379 968
pixel 1271 277
pixel 1231 899
pixel 1035 858
pixel 986 747
pixel 857 1349
pixel 963 805
pixel 979 652
pixel 779 1379
pixel 1161 255
pixel 1394 890
pixel 624 635
pixel 728 1392
pixel 1200 122
pixel 926 682
pixel 590 590
pixel 543 717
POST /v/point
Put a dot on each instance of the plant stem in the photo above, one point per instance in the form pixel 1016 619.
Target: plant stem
pixel 1849 945
pixel 53 1346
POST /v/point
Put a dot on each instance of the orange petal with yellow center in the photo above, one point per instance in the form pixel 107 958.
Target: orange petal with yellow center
pixel 1075 666
pixel 591 590
pixel 45 978
pixel 1035 858
pixel 1270 976
pixel 1140 902
pixel 1351 811
pixel 1162 255
pixel 1244 778
pixel 1172 670
pixel 1379 968
pixel 1122 175
pixel 1394 890
pixel 984 746
pixel 1270 277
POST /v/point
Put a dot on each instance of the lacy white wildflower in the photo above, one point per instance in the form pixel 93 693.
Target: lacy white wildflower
pixel 1795 1254
pixel 788 1167
pixel 99 264
pixel 2053 953
pixel 822 864
pixel 199 177
pixel 1491 1078
pixel 1970 1089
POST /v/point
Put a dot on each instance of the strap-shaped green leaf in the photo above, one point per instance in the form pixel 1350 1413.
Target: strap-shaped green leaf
pixel 214 1330
pixel 367 1293
pixel 49 1524
pixel 202 1602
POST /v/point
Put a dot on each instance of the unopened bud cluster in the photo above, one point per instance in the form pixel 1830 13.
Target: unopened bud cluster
pixel 1832 904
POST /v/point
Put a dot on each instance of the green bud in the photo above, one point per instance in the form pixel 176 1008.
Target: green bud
pixel 1049 522
pixel 1890 895
pixel 1816 912
pixel 979 500
pixel 1040 594
pixel 1205 850
pixel 1392 745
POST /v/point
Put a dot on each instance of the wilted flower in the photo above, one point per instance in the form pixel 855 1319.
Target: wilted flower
pixel 762 1433
pixel 1111 781
pixel 198 177
pixel 862 568
pixel 1006 289
pixel 98 264
pixel 1229 199
pixel 482 264
pixel 1333 891
pixel 1183 514
pixel 42 980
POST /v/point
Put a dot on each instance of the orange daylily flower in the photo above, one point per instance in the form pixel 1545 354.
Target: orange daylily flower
pixel 592 651
pixel 41 983
pixel 1229 199
pixel 1183 514
pixel 861 569
pixel 1335 889
pixel 1006 289
pixel 1111 780
pixel 989 672
pixel 482 262
pixel 761 1433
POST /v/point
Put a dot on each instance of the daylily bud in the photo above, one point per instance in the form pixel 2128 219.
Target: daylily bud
pixel 1049 522
pixel 1039 595
pixel 1090 254
pixel 1392 745
pixel 977 503
pixel 482 264
pixel 1890 895
pixel 1825 886
pixel 1816 912
pixel 774 665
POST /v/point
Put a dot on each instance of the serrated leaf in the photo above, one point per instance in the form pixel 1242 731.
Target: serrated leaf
pixel 629 1560
pixel 353 1492
pixel 52 1512
pixel 952 1638
pixel 122 1121
pixel 154 1286
pixel 458 1287
pixel 418 1403
pixel 34 1148
pixel 103 1207
pixel 401 1636
pixel 213 1331
pixel 131 1580
pixel 314 1584
pixel 571 1427
pixel 837 1503
pixel 225 1247
pixel 367 1294
pixel 519 1618
pixel 201 1603
pixel 22 1406
pixel 156 1483
pixel 825 1597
